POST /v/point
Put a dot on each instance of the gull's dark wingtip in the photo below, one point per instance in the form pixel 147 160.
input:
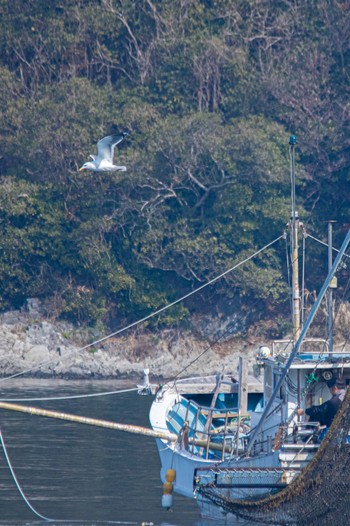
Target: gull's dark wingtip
pixel 121 135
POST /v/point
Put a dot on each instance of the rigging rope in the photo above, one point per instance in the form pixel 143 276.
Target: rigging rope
pixel 289 275
pixel 149 316
pixel 227 331
pixel 325 244
pixel 346 287
pixel 302 303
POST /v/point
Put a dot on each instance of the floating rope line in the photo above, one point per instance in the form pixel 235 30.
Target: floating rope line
pixel 72 397
pixel 149 316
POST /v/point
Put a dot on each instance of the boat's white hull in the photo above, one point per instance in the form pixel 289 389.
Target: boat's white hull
pixel 188 471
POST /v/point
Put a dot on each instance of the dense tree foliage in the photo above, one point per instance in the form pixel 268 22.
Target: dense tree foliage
pixel 210 91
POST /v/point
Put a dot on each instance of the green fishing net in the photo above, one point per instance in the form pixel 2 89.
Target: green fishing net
pixel 320 494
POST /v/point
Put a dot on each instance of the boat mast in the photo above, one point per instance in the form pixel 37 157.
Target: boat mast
pixel 299 342
pixel 295 225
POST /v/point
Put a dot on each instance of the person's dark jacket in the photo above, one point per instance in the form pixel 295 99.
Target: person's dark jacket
pixel 325 412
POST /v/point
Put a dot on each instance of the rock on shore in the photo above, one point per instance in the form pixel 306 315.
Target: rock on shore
pixel 34 345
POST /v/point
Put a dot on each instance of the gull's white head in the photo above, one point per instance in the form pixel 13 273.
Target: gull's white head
pixel 88 166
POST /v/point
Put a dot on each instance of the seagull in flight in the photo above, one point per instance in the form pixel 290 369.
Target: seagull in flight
pixel 104 160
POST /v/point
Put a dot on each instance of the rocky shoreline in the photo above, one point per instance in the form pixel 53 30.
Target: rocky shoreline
pixel 36 347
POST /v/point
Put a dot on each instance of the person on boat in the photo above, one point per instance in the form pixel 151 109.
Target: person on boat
pixel 325 413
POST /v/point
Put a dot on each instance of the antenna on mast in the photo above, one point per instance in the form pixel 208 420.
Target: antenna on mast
pixel 292 144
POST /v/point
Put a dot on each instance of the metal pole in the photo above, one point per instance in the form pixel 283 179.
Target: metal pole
pixel 301 338
pixel 330 289
pixel 240 376
pixel 302 305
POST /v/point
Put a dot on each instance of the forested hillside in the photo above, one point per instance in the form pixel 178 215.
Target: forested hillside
pixel 209 91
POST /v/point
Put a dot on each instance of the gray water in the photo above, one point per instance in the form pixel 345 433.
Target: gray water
pixel 76 474
pixel 72 472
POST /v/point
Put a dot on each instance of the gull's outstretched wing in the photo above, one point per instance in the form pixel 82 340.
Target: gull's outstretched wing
pixel 106 146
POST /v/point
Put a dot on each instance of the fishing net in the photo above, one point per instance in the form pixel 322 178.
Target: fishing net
pixel 319 495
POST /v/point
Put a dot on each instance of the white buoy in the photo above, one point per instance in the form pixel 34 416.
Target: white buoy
pixel 167 501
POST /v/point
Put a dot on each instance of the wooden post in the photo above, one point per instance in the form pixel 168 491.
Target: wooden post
pixel 242 396
pixel 243 386
pixel 219 378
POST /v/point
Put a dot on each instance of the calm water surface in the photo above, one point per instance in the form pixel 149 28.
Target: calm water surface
pixel 70 472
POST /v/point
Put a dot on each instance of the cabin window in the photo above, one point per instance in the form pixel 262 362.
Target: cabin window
pixel 276 378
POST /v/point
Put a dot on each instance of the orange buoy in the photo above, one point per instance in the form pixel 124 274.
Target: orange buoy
pixel 167 488
pixel 170 475
pixel 167 498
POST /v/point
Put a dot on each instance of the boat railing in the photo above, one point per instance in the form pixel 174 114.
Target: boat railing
pixel 228 426
pixel 288 345
pixel 264 479
pixel 216 433
pixel 262 446
pixel 300 446
pixel 212 433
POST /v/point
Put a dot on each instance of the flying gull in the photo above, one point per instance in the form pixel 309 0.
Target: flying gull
pixel 104 160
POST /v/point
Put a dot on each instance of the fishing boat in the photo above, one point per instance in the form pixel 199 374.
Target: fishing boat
pixel 237 441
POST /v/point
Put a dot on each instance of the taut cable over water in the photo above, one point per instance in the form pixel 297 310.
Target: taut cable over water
pixel 152 314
